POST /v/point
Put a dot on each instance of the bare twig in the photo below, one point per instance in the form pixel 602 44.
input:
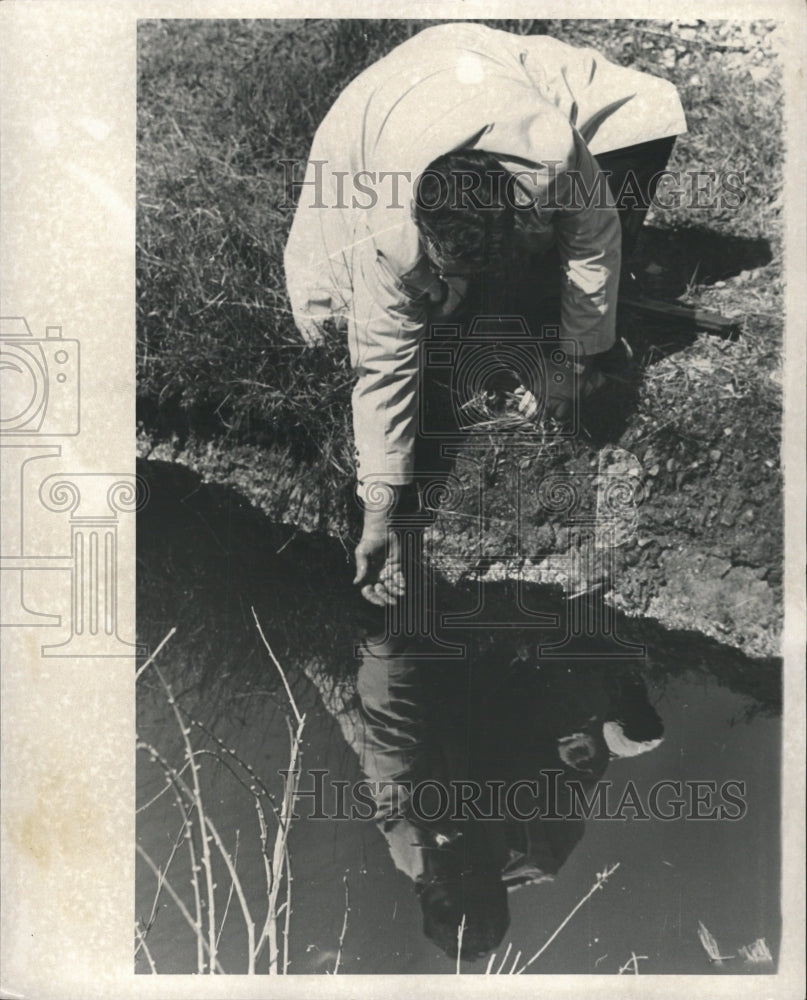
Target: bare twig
pixel 632 963
pixel 180 905
pixel 506 953
pixel 230 893
pixel 281 842
pixel 239 891
pixel 344 926
pixel 602 878
pixel 287 914
pixel 141 943
pixel 148 924
pixel 200 811
pixel 280 848
pixel 209 832
pixel 162 791
pixel 178 787
pixel 460 934
pixel 154 655
pixel 297 716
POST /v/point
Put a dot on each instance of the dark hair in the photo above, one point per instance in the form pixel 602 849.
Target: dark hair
pixel 463 879
pixel 462 211
pixel 481 897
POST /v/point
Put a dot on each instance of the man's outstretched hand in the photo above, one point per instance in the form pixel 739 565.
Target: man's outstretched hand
pixel 379 572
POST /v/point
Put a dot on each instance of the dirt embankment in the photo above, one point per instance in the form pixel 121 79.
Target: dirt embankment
pixel 687 534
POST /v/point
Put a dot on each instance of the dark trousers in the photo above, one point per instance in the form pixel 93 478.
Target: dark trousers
pixel 634 172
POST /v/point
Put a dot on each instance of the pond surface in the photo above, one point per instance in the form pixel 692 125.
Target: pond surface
pixel 205 559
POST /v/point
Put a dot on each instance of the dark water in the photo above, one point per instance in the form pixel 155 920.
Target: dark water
pixel 205 559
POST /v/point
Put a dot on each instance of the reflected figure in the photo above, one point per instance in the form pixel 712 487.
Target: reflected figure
pixel 401 746
pixel 445 746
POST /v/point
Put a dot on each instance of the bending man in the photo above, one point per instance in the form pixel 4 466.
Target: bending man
pixel 462 153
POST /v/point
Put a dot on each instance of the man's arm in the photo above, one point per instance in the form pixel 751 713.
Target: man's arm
pixel 384 335
pixel 589 242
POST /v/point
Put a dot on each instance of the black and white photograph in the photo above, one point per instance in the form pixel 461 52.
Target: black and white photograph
pixel 431 507
pixel 459 399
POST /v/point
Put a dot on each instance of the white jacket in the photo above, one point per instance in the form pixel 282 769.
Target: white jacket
pixel 353 252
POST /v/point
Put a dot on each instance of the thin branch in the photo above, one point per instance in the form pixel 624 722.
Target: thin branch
pixel 178 787
pixel 280 845
pixel 230 893
pixel 633 961
pixel 159 794
pixel 148 924
pixel 297 716
pixel 287 914
pixel 231 753
pixel 344 925
pixel 153 656
pixel 602 878
pixel 180 905
pixel 200 811
pixel 141 943
pixel 506 953
pixel 460 933
pixel 239 891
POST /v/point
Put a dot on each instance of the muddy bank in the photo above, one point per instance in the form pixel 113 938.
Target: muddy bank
pixel 693 543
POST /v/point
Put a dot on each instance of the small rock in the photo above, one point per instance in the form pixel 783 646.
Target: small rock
pixel 759 73
pixel 727 520
pixel 749 515
pixel 670 465
pixel 654 469
pixel 728 431
pixel 715 454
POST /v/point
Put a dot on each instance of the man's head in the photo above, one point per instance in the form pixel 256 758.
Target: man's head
pixel 481 898
pixel 463 213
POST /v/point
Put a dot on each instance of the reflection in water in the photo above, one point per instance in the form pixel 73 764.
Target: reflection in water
pixel 483 771
pixel 479 739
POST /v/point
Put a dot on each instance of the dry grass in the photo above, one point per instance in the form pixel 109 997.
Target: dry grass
pixel 221 103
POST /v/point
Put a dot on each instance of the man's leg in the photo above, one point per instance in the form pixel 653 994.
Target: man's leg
pixel 633 174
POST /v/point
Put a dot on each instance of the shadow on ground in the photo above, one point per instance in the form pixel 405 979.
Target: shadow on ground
pixel 205 558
